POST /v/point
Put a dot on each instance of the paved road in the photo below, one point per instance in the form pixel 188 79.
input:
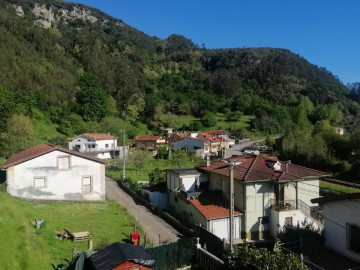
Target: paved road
pixel 152 225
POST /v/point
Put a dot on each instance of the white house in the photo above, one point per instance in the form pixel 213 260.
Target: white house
pixel 267 193
pixel 342 224
pixel 192 145
pixel 209 210
pixel 101 145
pixel 49 172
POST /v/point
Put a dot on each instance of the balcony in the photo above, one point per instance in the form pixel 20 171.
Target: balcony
pixel 283 205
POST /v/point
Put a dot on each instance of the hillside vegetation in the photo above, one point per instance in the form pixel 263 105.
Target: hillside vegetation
pixel 68 68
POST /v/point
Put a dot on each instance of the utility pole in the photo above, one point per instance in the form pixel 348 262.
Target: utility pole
pixel 124 159
pixel 231 165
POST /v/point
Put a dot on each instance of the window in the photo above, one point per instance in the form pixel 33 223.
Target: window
pixel 39 182
pixel 87 184
pixel 353 237
pixel 106 145
pixel 64 163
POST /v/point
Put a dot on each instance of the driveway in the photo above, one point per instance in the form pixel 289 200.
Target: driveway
pixel 156 229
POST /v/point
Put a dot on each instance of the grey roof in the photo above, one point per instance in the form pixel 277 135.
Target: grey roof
pixel 188 171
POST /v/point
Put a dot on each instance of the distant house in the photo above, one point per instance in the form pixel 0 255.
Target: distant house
pixel 177 137
pixel 149 142
pixel 339 130
pixel 121 256
pixel 267 194
pixel 342 224
pixel 50 172
pixel 199 146
pixel 101 145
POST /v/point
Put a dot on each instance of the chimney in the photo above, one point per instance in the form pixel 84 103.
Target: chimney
pixel 287 165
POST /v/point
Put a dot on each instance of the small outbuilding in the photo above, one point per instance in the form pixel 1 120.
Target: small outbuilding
pixel 121 256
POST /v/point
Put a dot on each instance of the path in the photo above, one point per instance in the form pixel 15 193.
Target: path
pixel 152 225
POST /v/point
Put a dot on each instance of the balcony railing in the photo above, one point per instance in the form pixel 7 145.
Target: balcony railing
pixel 282 205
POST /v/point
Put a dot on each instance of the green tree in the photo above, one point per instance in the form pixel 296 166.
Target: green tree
pixel 18 136
pixel 156 176
pixel 91 98
pixel 208 119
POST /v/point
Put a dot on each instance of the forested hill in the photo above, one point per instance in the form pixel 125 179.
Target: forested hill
pixel 74 66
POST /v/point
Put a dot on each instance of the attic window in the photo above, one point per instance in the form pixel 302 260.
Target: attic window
pixel 64 162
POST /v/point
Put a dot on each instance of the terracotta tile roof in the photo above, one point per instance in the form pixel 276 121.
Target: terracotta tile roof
pixel 99 136
pixel 148 138
pixel 177 137
pixel 216 132
pixel 342 197
pixel 255 168
pixel 212 205
pixel 43 149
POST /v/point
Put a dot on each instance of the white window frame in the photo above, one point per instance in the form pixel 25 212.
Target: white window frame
pixel 59 163
pixel 83 186
pixel 38 178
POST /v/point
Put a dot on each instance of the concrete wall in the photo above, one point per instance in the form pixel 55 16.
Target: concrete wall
pixel 307 190
pixel 186 211
pixel 60 184
pixel 278 218
pixel 337 214
pixel 159 199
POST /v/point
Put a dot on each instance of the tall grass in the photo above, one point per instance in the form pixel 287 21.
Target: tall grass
pixel 22 246
pixel 329 189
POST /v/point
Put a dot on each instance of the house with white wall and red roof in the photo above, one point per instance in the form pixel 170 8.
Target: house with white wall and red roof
pixel 50 172
pixel 268 194
pixel 100 145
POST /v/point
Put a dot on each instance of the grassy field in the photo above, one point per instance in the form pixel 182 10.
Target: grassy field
pixel 329 189
pixel 178 121
pixel 22 246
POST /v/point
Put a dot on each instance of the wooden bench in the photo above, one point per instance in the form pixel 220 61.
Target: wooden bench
pixel 79 236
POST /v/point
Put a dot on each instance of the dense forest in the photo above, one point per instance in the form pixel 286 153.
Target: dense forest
pixel 68 68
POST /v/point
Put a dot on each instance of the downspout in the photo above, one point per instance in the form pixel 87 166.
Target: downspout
pixel 297 195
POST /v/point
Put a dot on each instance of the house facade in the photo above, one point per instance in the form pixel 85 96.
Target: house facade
pixel 199 146
pixel 342 224
pixel 268 194
pixel 189 203
pixel 100 145
pixel 149 142
pixel 49 172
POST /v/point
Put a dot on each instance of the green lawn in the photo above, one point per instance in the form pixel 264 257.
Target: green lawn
pixel 24 247
pixel 329 189
pixel 178 121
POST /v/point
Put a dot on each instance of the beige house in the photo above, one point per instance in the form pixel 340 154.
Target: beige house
pixel 267 193
pixel 149 142
pixel 49 172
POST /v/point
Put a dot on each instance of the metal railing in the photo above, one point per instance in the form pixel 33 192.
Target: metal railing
pixel 313 212
pixel 207 260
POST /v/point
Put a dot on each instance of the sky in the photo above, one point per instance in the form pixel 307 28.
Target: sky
pixel 325 32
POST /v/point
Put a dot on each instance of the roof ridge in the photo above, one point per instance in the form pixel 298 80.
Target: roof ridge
pixel 250 167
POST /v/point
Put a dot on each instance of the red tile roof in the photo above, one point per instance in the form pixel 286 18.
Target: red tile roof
pixel 148 138
pixel 212 205
pixel 217 132
pixel 99 136
pixel 255 168
pixel 43 149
